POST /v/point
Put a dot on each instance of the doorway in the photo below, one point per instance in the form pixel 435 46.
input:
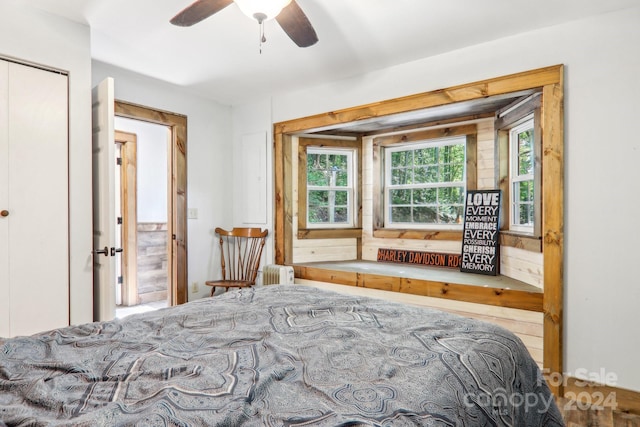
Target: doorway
pixel 142 150
pixel 153 265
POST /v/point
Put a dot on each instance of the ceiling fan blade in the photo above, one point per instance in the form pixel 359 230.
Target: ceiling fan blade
pixel 198 11
pixel 297 26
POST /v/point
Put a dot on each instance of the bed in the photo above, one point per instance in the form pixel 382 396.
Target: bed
pixel 280 355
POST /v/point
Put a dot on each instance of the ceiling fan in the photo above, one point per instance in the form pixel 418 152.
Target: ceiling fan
pixel 286 12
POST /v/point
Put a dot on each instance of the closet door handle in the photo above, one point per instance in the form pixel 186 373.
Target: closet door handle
pixel 4 212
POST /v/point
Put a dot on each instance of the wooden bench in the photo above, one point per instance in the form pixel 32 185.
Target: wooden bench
pixel 435 282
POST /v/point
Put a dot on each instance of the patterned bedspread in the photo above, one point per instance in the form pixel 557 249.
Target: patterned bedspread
pixel 278 355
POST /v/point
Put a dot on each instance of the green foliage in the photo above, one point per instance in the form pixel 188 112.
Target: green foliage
pixel 523 206
pixel 327 204
pixel 525 152
pixel 423 175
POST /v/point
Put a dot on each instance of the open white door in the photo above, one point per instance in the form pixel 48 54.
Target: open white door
pixel 104 215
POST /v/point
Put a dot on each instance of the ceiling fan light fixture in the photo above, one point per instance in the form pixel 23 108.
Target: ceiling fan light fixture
pixel 262 10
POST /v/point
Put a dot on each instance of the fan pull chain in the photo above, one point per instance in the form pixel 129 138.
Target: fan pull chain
pixel 262 37
pixel 261 17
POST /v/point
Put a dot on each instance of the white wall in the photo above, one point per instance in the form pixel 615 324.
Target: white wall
pixel 39 38
pixel 250 121
pixel 209 163
pixel 152 142
pixel 602 87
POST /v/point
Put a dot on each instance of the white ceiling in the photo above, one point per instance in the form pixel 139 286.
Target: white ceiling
pixel 219 57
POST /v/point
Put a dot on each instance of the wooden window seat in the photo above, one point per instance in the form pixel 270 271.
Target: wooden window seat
pixel 436 282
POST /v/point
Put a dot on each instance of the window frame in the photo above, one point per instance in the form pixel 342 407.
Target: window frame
pixel 506 120
pixel 305 231
pixel 350 188
pixel 389 186
pixel 379 143
pixel 516 177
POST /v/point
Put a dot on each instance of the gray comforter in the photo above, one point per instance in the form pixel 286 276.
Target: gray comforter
pixel 275 356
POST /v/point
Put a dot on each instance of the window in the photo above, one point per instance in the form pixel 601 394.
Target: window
pixel 519 175
pixel 425 184
pixel 420 178
pixel 522 179
pixel 330 187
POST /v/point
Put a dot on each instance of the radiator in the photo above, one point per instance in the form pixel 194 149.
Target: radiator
pixel 277 274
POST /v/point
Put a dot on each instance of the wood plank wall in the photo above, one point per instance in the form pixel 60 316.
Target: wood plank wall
pixel 313 250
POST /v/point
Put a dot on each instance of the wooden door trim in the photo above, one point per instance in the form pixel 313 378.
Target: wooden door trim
pixel 128 197
pixel 177 225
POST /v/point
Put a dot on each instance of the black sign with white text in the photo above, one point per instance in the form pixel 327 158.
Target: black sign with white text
pixel 480 251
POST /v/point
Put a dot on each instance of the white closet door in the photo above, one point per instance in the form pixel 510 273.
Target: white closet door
pixel 4 201
pixel 38 198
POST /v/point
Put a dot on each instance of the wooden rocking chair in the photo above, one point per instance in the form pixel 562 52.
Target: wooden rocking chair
pixel 240 254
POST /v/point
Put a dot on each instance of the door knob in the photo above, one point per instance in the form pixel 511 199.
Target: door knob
pixel 104 251
pixel 4 212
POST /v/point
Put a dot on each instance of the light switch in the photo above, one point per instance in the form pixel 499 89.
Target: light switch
pixel 192 213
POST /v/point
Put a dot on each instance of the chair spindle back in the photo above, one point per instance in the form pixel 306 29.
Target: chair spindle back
pixel 240 252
